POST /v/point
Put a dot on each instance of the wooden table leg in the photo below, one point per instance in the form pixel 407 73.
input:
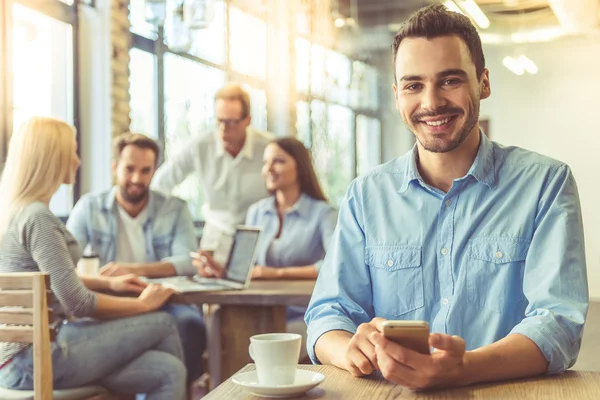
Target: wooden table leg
pixel 238 324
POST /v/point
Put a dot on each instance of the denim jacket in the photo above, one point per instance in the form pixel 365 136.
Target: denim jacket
pixel 168 231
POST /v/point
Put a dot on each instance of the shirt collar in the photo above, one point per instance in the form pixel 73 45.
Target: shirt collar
pixel 246 151
pixel 482 168
pixel 301 206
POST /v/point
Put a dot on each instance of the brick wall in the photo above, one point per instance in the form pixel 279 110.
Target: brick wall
pixel 121 43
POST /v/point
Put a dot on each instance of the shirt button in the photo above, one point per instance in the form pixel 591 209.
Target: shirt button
pixel 448 202
pixel 499 254
pixel 445 302
pixel 390 263
pixel 444 251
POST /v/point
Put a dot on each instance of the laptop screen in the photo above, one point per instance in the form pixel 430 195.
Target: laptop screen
pixel 243 254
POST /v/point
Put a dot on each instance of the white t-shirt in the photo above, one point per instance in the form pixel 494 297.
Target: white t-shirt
pixel 131 244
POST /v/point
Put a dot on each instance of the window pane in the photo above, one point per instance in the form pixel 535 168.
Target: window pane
pixel 137 17
pixel 142 89
pixel 190 88
pixel 209 43
pixel 333 148
pixel 364 92
pixel 368 143
pixel 248 40
pixel 339 74
pixel 258 107
pixel 69 2
pixel 43 77
pixel 303 123
pixel 317 69
pixel 302 64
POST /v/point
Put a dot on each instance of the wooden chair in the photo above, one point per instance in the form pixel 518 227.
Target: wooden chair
pixel 28 322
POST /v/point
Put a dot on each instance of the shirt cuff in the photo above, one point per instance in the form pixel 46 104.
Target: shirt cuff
pixel 552 341
pixel 182 264
pixel 318 328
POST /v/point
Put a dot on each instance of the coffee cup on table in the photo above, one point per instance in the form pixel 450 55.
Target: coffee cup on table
pixel 275 356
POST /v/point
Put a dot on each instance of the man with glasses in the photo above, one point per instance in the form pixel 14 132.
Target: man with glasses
pixel 228 164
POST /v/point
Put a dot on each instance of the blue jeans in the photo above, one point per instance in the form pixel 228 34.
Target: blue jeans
pixel 140 354
pixel 192 333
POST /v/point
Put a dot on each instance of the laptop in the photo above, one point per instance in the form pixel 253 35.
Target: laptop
pixel 238 269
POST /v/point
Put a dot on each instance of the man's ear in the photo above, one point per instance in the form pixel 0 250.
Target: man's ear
pixel 485 90
pixel 395 89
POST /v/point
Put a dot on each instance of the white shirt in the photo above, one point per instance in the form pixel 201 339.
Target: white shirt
pixel 131 244
pixel 231 184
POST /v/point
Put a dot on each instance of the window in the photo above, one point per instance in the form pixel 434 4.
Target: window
pixel 303 123
pixel 302 48
pixel 43 80
pixel 248 44
pixel 368 143
pixel 209 43
pixel 142 90
pixel 190 88
pixel 333 149
pixel 258 107
pixel 137 18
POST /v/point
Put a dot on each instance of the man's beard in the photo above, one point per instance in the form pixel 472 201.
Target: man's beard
pixel 442 146
pixel 134 199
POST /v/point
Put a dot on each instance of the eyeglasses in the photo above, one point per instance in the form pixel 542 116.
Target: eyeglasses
pixel 229 123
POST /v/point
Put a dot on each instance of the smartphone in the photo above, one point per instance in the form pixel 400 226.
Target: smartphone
pixel 413 335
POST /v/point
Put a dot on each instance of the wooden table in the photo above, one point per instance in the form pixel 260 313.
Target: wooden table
pixel 243 313
pixel 340 385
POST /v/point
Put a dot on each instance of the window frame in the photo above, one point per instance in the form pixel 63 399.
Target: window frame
pixel 56 10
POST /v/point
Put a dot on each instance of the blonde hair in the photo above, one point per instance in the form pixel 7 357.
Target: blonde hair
pixel 39 158
pixel 234 92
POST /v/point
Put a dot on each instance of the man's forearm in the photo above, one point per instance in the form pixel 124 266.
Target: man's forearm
pixel 158 269
pixel 515 356
pixel 331 347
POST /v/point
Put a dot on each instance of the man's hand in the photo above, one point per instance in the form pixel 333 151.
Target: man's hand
pixel 116 269
pixel 126 284
pixel 443 368
pixel 360 357
pixel 154 296
pixel 262 272
pixel 206 265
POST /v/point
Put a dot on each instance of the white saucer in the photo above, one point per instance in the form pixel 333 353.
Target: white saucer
pixel 304 381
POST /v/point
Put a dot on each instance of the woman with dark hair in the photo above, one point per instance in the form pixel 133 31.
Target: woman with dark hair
pixel 296 220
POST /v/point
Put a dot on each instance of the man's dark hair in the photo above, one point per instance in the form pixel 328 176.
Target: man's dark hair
pixel 435 21
pixel 134 139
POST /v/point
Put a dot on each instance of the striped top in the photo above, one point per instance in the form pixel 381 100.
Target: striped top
pixel 36 240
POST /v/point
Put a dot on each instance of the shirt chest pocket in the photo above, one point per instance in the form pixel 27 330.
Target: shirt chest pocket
pixel 495 272
pixel 397 278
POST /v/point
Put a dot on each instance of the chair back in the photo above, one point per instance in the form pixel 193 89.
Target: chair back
pixel 24 317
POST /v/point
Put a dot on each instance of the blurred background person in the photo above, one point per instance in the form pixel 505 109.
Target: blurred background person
pixel 228 163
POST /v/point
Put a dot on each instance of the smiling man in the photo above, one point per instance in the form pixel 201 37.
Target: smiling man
pixel 482 241
pixel 135 230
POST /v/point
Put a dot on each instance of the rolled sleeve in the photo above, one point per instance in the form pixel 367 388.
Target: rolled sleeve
pixel 342 298
pixel 321 326
pixel 555 278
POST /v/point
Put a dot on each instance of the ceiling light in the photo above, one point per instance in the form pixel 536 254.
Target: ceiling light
pixel 339 22
pixel 475 12
pixel 513 65
pixel 527 64
pixel 450 5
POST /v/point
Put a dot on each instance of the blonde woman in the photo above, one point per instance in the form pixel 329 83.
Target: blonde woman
pixel 132 351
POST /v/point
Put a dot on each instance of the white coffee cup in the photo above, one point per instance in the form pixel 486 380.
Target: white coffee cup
pixel 275 356
pixel 89 264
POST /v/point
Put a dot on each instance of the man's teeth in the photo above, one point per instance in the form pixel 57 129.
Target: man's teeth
pixel 437 123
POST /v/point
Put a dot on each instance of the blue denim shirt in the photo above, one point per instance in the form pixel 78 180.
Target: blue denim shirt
pixel 307 230
pixel 502 252
pixel 168 231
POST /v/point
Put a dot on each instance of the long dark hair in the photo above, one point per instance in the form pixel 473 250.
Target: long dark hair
pixel 307 178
